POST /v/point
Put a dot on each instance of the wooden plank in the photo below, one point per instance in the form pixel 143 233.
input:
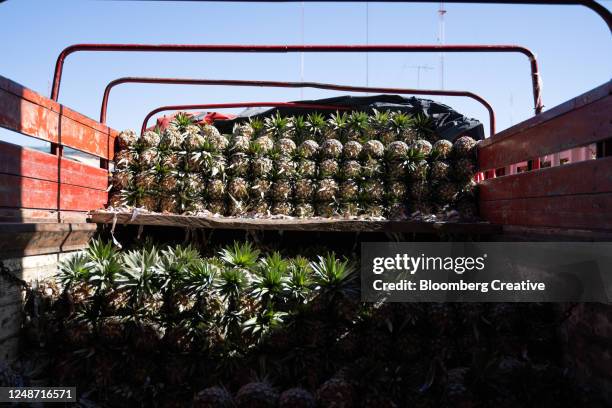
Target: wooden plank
pixel 289 224
pixel 589 211
pixel 24 192
pixel 27 112
pixel 29 215
pixel 587 124
pixel 587 177
pixel 552 234
pixel 20 161
pixel 19 239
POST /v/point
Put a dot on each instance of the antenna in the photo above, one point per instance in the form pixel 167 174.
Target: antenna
pixel 302 53
pixel 441 13
pixel 367 43
pixel 418 69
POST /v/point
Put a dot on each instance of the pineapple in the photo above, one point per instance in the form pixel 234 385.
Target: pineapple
pixel 209 131
pixel 265 144
pixel 218 142
pixel 442 148
pixel 285 146
pixel 328 168
pixel 337 126
pixel 168 204
pixel 304 190
pixel 446 193
pixel 261 166
pixel 305 168
pixel 213 397
pixel 350 170
pixel 373 149
pixel 400 125
pixel 419 192
pixel 126 140
pixel 418 170
pixel 304 210
pixel 215 189
pixel 464 147
pixel 284 167
pixel 171 139
pixel 326 190
pixel 331 149
pixel 260 189
pixel 236 208
pixel 348 191
pixel 464 170
pixel 145 181
pixel 351 150
pixel 296 398
pixel 121 178
pixel 125 159
pixel 238 189
pixel 325 209
pixel 282 208
pixel 256 395
pixel 396 151
pixel 252 129
pixel 358 126
pixel 373 209
pixel 239 144
pixel 308 149
pixel 149 201
pixel 169 160
pixel 239 165
pixel 193 139
pixel 422 146
pixel 381 126
pixel 439 170
pixel 259 207
pixel 335 393
pixel 373 190
pixel 396 191
pixel 349 209
pixel 281 190
pixel 149 139
pixel 217 207
pixel 372 168
pixel 396 210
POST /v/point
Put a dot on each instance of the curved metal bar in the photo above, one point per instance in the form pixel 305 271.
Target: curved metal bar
pixel 535 76
pixel 236 105
pixel 278 84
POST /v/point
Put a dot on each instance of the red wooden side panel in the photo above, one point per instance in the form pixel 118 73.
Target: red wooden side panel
pixel 19 161
pixel 584 120
pixel 27 112
pixel 24 192
pixel 584 211
pixel 587 177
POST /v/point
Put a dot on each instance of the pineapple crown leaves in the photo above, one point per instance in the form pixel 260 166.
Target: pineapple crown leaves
pixel 278 126
pixel 264 322
pixel 338 122
pixel 231 283
pixel 316 124
pixel 104 264
pixel 73 271
pixel 182 120
pixel 141 267
pixel 257 125
pixel 423 125
pixel 201 277
pixel 300 279
pixel 299 128
pixel 175 263
pixel 380 119
pixel 400 122
pixel 240 255
pixel 332 274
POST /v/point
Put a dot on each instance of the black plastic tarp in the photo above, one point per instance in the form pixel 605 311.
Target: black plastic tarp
pixel 449 124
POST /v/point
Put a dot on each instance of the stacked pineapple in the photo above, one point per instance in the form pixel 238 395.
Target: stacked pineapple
pixel 384 164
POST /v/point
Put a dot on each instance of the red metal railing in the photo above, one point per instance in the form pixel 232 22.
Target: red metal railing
pixel 278 84
pixel 535 76
pixel 237 105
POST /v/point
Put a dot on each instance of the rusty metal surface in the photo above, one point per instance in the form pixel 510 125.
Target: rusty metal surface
pixel 535 75
pixel 190 81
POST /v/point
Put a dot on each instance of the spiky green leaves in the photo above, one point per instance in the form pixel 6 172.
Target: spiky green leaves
pixel 240 255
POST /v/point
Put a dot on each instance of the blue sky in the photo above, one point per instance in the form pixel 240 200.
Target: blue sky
pixel 572 44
